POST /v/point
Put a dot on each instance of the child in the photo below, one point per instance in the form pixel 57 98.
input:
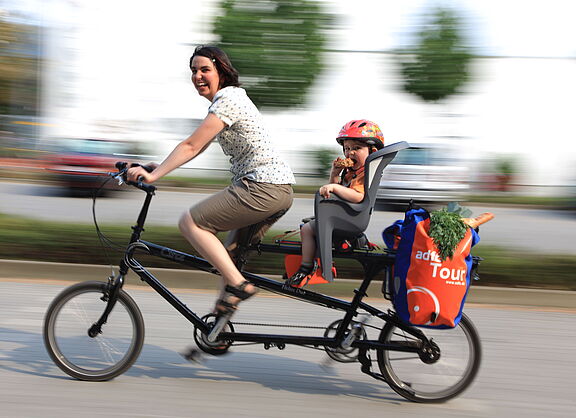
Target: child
pixel 359 138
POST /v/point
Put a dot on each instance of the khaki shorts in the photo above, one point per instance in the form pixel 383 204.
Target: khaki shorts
pixel 241 205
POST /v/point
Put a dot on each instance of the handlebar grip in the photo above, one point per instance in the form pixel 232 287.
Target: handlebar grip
pixel 122 167
pixel 145 167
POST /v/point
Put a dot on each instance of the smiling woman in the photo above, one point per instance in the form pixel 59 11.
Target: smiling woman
pixel 261 188
pixel 212 71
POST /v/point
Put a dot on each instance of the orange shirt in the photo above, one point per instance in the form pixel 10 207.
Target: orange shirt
pixel 354 180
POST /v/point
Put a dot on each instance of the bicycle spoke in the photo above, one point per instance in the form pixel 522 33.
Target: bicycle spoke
pixel 440 377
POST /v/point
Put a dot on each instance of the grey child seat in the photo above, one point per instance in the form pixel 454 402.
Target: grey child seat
pixel 339 219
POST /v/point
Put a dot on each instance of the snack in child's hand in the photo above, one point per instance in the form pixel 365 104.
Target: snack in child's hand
pixel 343 163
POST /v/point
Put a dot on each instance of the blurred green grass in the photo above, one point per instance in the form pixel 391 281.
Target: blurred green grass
pixel 27 239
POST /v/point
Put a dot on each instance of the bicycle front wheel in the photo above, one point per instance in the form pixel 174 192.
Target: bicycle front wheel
pixel 108 354
pixel 432 381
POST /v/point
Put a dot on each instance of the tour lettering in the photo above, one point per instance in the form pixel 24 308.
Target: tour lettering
pixel 448 274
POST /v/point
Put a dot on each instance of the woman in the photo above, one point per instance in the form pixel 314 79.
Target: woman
pixel 261 186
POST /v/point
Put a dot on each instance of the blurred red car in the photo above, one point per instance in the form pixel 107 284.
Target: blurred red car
pixel 81 165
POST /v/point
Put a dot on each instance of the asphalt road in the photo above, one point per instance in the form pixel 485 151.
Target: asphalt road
pixel 538 230
pixel 528 367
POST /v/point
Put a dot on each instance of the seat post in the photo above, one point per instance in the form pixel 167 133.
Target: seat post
pixel 243 247
pixel 244 242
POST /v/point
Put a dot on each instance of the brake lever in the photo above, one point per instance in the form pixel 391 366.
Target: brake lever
pixel 119 176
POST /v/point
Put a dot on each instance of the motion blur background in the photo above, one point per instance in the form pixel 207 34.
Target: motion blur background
pixel 493 82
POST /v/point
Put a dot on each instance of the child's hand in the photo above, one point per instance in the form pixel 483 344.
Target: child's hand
pixel 326 190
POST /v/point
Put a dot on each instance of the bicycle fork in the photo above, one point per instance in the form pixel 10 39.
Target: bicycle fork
pixel 110 296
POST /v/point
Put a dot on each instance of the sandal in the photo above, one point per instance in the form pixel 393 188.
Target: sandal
pixel 225 307
pixel 298 277
pixel 303 274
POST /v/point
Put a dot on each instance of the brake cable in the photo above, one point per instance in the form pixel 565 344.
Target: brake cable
pixel 105 242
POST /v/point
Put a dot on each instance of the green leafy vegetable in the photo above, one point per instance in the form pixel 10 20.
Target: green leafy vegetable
pixel 462 211
pixel 446 230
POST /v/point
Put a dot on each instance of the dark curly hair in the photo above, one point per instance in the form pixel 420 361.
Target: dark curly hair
pixel 228 74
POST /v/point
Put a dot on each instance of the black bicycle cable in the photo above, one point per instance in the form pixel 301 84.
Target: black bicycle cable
pixel 105 242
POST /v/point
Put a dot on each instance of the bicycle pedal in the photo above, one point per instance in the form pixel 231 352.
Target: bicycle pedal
pixel 327 364
pixel 193 355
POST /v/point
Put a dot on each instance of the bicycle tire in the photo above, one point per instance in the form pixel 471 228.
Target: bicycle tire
pixel 98 358
pixel 438 381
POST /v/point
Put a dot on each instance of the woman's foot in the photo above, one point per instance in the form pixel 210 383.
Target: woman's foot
pixel 228 304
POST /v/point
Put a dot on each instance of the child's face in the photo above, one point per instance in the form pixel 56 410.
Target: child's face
pixel 357 151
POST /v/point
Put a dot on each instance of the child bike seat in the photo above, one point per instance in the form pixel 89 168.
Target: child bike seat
pixel 339 219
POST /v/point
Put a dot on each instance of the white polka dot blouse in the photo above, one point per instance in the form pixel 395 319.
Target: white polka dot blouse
pixel 246 140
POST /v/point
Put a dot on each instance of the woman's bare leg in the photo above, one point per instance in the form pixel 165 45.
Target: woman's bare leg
pixel 210 247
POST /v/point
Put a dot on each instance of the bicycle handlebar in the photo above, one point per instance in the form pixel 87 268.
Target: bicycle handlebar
pixel 122 167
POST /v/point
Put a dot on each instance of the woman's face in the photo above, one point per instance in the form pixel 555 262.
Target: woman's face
pixel 205 77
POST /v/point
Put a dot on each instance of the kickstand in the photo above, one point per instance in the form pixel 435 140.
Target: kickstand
pixel 366 363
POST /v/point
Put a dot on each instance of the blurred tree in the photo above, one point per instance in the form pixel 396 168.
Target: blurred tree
pixel 18 67
pixel 276 45
pixel 506 169
pixel 437 65
pixel 323 158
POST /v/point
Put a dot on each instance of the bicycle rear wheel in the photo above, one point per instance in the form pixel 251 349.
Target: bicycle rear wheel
pixel 108 354
pixel 434 381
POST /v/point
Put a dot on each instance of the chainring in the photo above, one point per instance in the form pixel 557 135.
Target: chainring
pixel 216 348
pixel 342 355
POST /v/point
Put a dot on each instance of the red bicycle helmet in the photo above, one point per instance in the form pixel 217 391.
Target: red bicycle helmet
pixel 362 130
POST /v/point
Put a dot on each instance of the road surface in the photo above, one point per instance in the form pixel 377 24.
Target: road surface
pixel 527 371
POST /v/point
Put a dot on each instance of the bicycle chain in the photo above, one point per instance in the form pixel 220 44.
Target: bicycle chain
pixel 289 325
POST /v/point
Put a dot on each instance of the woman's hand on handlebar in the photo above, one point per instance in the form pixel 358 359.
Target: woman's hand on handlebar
pixel 140 173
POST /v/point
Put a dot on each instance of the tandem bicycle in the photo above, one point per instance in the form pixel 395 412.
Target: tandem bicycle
pixel 94 330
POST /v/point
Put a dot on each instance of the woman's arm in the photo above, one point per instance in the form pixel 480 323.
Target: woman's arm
pixel 185 151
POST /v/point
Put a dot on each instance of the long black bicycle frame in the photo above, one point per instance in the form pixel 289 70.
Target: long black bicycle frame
pixel 371 262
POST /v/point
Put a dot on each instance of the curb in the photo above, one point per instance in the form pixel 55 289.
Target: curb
pixel 193 279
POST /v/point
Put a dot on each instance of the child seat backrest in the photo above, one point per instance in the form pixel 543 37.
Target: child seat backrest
pixel 338 218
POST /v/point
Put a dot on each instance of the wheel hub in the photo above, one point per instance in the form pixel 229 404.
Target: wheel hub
pixel 430 353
